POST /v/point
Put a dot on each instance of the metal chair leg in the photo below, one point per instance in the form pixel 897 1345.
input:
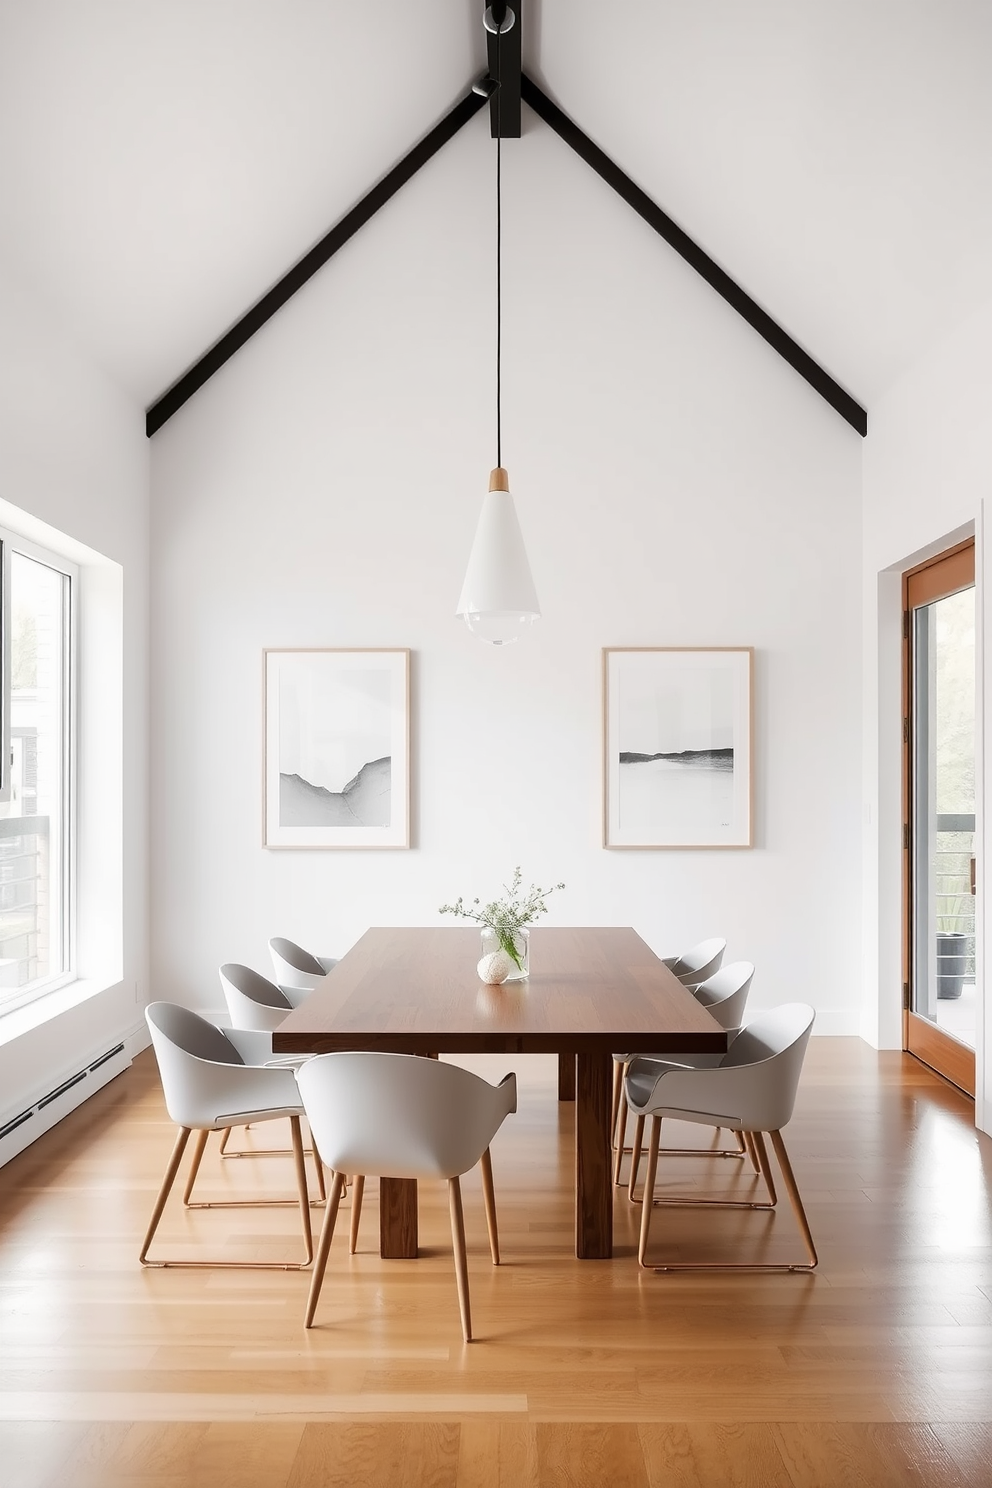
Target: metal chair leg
pixel 198 1150
pixel 757 1144
pixel 170 1178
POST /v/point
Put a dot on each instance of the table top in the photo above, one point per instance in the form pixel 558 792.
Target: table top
pixel 417 991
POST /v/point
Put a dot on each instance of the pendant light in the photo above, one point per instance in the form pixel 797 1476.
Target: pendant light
pixel 498 600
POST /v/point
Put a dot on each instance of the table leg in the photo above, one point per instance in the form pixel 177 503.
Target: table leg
pixel 593 1181
pixel 566 1077
pixel 398 1219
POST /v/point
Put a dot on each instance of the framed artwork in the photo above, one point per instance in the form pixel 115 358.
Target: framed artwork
pixel 337 748
pixel 677 746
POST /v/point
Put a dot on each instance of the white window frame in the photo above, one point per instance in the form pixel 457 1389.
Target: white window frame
pixel 12 542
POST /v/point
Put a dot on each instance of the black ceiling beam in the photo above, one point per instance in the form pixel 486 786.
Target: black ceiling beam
pixel 264 309
pixel 504 107
pixel 696 257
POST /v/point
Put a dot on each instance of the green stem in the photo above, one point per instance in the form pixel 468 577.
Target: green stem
pixel 508 944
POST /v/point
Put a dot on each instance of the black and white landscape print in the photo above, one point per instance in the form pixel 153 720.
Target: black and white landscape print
pixel 677 728
pixel 336 726
pixel 363 802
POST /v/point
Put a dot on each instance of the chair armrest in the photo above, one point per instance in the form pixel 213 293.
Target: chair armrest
pixel 721 1096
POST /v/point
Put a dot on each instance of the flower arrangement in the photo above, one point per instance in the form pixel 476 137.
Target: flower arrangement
pixel 505 916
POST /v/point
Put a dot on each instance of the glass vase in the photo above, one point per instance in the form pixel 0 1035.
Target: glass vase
pixel 521 945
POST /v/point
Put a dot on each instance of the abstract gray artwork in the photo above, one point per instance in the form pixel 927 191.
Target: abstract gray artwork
pixel 677 726
pixel 336 748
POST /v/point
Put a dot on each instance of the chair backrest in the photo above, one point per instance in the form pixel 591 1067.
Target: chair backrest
pixel 724 994
pixel 252 1000
pixel 399 1115
pixel 295 967
pixel 752 1089
pixel 772 1048
pixel 701 961
pixel 203 1074
pixel 171 1024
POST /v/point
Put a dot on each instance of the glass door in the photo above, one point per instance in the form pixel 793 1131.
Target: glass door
pixel 940 815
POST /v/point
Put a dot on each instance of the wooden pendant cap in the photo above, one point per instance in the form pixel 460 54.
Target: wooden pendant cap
pixel 498 479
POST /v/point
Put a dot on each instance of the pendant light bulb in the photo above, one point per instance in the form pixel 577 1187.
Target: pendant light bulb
pixel 498 600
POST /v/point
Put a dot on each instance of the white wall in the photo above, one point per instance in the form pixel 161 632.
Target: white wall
pixel 927 462
pixel 74 473
pixel 677 485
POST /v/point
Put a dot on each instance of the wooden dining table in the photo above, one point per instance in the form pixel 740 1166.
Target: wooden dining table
pixel 590 992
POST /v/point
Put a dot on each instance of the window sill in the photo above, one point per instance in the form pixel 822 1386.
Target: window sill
pixel 51 1005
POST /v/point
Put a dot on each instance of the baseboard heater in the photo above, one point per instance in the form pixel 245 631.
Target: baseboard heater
pixel 53 1095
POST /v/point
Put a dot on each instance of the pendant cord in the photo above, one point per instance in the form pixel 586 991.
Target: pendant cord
pixel 499 285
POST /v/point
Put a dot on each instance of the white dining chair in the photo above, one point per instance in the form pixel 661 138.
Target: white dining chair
pixel 753 1091
pixel 295 967
pixel 691 967
pixel 724 995
pixel 211 1082
pixel 699 962
pixel 255 1004
pixel 404 1116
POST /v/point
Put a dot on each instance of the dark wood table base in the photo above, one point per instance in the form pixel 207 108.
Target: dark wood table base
pixel 593 1176
pixel 566 1077
pixel 398 1221
pixel 586 1079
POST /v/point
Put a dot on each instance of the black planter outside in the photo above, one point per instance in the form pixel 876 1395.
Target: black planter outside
pixel 952 956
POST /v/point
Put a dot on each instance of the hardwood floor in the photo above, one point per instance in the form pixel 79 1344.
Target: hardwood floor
pixel 875 1371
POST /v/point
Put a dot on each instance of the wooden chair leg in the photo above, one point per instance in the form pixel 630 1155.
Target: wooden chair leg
pixel 620 1134
pixel 224 1138
pixel 461 1260
pixel 792 1189
pixel 357 1191
pixel 749 1148
pixel 635 1156
pixel 301 1183
pixel 617 1093
pixel 489 1195
pixel 323 1248
pixel 649 1180
pixel 163 1193
pixel 199 1146
pixel 764 1167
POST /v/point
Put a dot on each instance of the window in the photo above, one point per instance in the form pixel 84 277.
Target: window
pixel 36 828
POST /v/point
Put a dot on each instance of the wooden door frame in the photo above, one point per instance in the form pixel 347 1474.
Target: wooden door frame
pixel 946 573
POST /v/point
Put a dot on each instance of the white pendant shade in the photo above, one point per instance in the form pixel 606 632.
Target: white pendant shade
pixel 498 600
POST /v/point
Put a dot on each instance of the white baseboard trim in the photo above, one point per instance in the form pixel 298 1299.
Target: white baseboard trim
pixel 21 1126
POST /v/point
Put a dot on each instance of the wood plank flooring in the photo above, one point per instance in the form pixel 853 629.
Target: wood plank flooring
pixel 875 1371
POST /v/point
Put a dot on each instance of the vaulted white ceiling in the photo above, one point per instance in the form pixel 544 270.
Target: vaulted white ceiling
pixel 162 162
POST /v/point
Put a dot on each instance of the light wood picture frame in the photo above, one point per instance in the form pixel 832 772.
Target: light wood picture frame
pixel 336 759
pixel 677 746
